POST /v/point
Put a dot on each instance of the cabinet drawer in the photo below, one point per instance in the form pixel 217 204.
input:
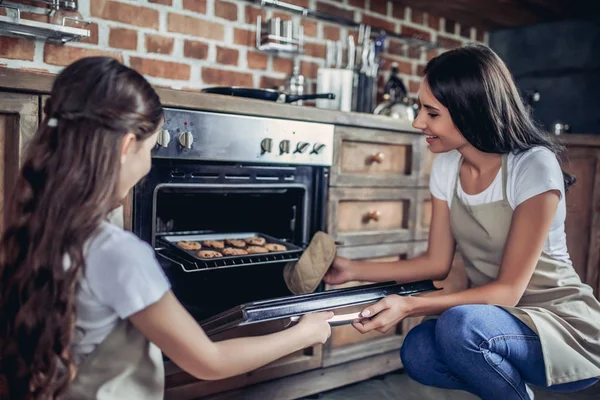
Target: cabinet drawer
pixel 375 158
pixel 424 209
pixel 365 216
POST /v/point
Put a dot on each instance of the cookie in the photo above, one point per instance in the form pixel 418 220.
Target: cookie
pixel 255 241
pixel 189 245
pixel 213 244
pixel 235 243
pixel 234 252
pixel 209 254
pixel 275 247
pixel 256 250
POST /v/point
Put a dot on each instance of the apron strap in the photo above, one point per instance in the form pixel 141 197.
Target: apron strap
pixel 455 190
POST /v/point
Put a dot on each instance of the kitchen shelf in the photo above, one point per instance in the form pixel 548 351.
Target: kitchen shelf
pixel 18 27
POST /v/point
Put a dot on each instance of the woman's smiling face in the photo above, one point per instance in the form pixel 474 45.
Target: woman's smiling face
pixel 436 123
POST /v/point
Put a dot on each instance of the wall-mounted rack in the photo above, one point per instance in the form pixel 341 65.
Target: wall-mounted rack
pixel 411 41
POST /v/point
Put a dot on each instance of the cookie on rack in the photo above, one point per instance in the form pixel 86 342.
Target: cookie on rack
pixel 231 251
pixel 214 244
pixel 255 241
pixel 209 254
pixel 189 245
pixel 235 243
pixel 275 247
pixel 256 250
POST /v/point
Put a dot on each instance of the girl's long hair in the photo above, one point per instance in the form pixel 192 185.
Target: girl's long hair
pixel 67 184
pixel 474 84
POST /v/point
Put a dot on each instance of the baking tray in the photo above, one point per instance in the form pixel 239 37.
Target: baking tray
pixel 170 240
pixel 294 306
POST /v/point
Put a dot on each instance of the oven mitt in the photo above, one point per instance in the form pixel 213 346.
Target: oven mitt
pixel 303 276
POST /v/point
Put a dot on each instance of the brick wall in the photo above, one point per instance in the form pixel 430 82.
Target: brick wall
pixel 191 44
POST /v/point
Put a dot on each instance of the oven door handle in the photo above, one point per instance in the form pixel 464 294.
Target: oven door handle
pixel 336 320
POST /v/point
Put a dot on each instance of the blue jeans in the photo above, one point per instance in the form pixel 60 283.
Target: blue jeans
pixel 480 349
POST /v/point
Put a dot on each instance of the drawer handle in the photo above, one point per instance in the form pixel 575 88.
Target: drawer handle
pixel 377 158
pixel 372 216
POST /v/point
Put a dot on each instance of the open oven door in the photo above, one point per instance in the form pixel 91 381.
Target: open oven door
pixel 271 315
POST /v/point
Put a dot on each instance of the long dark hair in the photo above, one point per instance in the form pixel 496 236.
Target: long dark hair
pixel 67 185
pixel 474 84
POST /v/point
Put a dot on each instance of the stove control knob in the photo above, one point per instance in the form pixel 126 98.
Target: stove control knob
pixel 164 137
pixel 186 139
pixel 266 146
pixel 284 147
pixel 302 147
pixel 317 148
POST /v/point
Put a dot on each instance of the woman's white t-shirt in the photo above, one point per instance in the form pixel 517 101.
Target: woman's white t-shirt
pixel 530 173
pixel 121 277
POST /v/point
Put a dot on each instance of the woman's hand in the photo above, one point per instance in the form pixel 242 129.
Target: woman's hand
pixel 384 314
pixel 340 271
pixel 316 327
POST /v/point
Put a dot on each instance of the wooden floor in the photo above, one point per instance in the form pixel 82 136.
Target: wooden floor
pixel 398 386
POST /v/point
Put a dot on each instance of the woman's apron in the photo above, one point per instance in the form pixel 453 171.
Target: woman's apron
pixel 556 304
pixel 125 365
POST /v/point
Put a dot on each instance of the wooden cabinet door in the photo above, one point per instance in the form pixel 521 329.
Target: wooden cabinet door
pixel 18 123
pixel 583 213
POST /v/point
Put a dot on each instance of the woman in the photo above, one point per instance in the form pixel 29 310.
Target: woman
pixel 84 303
pixel 498 194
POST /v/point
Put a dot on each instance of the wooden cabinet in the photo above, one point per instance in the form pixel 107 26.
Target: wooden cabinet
pixel 18 123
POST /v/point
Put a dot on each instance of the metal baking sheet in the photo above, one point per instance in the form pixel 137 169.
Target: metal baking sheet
pixel 293 306
pixel 172 239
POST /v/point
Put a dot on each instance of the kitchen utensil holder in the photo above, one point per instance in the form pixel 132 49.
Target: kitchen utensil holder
pixel 275 35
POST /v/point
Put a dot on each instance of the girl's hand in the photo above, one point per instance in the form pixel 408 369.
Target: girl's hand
pixel 340 271
pixel 315 327
pixel 383 315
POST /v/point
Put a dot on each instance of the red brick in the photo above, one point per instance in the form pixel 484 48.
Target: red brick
pixel 417 16
pixel 465 31
pixel 414 52
pixel 309 69
pixel 159 44
pixel 226 10
pixel 220 77
pixel 414 86
pixel 396 47
pixel 198 6
pixel 160 69
pixel 281 15
pixel 433 22
pixel 358 3
pixel 420 70
pixel 331 32
pixel 314 50
pixel 432 53
pixel 198 50
pixel 64 55
pixel 448 43
pixel 450 26
pixel 310 28
pixel 126 13
pixel 227 56
pixel 398 11
pixel 335 10
pixel 252 14
pixel 415 32
pixel 196 27
pixel 284 65
pixel 299 3
pixel 257 60
pixel 93 39
pixel 16 48
pixel 480 35
pixel 244 37
pixel 267 82
pixel 121 38
pixel 379 6
pixel 163 2
pixel 379 23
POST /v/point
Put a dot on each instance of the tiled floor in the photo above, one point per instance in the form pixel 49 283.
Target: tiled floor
pixel 398 386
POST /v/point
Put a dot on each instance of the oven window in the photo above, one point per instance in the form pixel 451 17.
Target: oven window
pixel 279 212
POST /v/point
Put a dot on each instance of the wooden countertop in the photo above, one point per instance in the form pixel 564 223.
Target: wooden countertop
pixel 36 82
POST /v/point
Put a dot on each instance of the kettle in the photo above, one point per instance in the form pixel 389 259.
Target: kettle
pixel 404 110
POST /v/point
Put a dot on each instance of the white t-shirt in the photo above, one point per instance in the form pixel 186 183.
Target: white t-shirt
pixel 122 277
pixel 530 173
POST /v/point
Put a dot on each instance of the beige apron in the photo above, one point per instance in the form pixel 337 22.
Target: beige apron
pixel 125 365
pixel 556 304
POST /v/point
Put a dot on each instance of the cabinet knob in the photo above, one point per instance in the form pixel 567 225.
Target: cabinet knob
pixel 372 216
pixel 377 158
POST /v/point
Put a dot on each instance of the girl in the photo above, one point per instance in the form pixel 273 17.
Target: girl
pixel 83 303
pixel 498 193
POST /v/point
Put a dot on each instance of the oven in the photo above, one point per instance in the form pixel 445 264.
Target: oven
pixel 218 177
